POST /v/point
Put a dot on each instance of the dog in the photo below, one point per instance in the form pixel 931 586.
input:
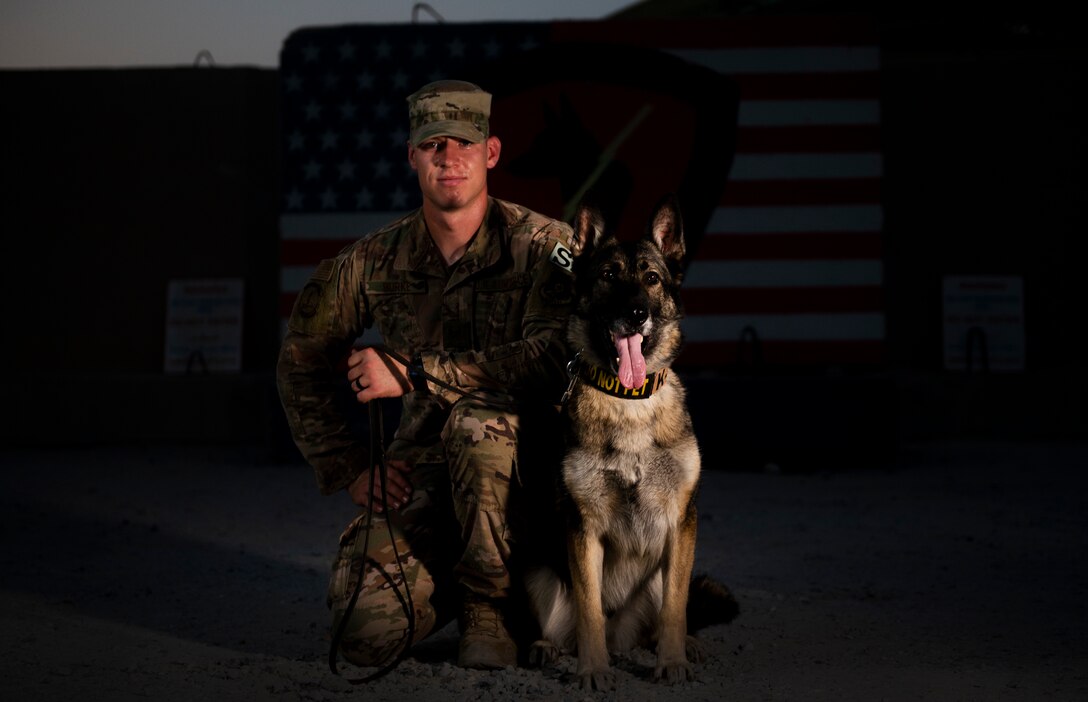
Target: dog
pixel 631 469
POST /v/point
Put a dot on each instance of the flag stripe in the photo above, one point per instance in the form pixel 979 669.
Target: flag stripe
pixel 823 326
pixel 806 166
pixel 775 32
pixel 287 303
pixel 311 249
pixel 718 354
pixel 808 86
pixel 347 226
pixel 802 218
pixel 784 113
pixel 782 273
pixel 794 60
pixel 292 278
pixel 840 191
pixel 762 301
pixel 821 138
pixel 838 245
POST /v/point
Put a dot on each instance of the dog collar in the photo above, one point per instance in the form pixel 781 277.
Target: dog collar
pixel 609 384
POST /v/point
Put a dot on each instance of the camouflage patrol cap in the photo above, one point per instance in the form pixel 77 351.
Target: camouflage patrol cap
pixel 449 108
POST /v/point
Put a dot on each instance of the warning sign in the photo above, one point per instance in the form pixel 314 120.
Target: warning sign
pixel 204 326
pixel 984 323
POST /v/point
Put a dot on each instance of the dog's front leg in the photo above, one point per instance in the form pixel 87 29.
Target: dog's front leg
pixel 586 567
pixel 672 659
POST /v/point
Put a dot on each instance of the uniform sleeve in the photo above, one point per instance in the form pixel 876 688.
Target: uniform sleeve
pixel 329 314
pixel 536 362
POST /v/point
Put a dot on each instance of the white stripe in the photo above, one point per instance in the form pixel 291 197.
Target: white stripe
pixel 788 219
pixel 806 166
pixel 806 113
pixel 786 327
pixel 783 274
pixel 800 59
pixel 719 274
pixel 292 278
pixel 347 226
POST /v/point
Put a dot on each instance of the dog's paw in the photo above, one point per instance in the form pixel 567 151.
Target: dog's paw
pixel 542 653
pixel 674 672
pixel 694 649
pixel 601 679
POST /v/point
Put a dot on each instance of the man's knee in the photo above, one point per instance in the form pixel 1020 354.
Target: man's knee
pixel 376 632
pixel 377 627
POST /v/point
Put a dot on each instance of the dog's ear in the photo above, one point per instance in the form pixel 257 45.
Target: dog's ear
pixel 588 229
pixel 667 229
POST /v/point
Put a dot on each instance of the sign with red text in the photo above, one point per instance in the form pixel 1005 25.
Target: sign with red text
pixel 204 326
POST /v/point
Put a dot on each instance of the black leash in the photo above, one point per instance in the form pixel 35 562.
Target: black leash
pixel 376 459
pixel 490 402
pixel 377 465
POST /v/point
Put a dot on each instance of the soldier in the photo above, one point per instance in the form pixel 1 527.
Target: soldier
pixel 475 292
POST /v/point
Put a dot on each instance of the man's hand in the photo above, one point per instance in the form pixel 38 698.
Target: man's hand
pixel 373 375
pixel 398 487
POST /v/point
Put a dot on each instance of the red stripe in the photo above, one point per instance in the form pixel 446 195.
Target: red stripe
pixel 838 191
pixel 807 140
pixel 748 300
pixel 731 32
pixel 287 304
pixel 808 86
pixel 302 251
pixel 783 353
pixel 792 246
pixel 782 300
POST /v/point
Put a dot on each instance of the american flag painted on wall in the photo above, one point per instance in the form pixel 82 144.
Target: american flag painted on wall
pixel 768 128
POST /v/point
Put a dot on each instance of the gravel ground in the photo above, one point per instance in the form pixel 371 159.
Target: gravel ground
pixel 956 573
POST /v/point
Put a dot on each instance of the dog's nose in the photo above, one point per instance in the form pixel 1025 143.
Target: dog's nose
pixel 639 314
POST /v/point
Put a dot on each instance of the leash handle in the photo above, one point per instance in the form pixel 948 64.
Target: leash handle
pixel 382 349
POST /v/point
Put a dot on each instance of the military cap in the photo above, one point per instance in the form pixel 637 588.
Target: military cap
pixel 449 108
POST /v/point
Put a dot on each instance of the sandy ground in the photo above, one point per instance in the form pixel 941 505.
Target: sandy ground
pixel 959 572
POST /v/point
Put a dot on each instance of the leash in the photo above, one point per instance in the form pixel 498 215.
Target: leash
pixel 376 461
pixel 377 465
pixel 416 369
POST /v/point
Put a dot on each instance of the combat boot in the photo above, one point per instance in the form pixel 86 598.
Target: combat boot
pixel 485 642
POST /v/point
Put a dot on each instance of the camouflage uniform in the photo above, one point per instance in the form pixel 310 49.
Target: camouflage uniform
pixel 492 324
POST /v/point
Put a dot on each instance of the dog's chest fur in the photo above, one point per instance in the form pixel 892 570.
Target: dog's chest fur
pixel 632 469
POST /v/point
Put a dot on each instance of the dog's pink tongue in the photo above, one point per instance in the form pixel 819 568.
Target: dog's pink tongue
pixel 632 365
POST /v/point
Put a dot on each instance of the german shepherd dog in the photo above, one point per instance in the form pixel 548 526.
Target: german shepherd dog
pixel 631 469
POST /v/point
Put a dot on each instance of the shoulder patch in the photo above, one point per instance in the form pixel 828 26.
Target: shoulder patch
pixel 562 257
pixel 312 296
pixel 324 270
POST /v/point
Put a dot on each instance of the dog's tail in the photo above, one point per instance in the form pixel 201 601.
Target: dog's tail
pixel 709 602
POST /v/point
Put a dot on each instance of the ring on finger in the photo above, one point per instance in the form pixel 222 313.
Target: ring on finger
pixel 359 387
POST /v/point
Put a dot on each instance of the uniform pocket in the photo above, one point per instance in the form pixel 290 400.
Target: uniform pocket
pixel 499 304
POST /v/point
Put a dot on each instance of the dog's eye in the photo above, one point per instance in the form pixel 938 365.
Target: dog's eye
pixel 608 274
pixel 651 278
